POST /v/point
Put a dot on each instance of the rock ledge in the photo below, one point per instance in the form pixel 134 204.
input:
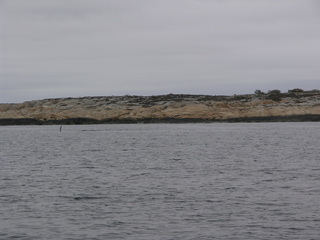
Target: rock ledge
pixel 171 108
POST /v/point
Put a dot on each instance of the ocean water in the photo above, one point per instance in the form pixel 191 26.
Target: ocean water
pixel 160 181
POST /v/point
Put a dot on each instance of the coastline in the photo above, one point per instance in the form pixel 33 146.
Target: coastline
pixel 295 106
pixel 89 121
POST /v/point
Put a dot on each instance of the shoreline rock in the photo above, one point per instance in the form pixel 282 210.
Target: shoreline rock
pixel 171 108
pixel 88 121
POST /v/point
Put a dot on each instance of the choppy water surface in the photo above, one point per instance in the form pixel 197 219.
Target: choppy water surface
pixel 160 181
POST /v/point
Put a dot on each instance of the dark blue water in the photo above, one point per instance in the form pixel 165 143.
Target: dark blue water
pixel 160 181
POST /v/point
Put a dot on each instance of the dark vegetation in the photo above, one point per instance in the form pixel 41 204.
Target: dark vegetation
pixel 148 101
pixel 277 95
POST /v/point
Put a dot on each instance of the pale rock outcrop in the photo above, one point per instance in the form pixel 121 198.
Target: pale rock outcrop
pixel 166 106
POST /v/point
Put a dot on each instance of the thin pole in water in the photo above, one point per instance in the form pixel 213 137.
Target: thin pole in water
pixel 60 128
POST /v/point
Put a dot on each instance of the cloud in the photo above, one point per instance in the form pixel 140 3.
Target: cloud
pixel 76 47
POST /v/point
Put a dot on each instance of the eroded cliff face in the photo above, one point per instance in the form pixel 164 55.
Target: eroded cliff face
pixel 201 107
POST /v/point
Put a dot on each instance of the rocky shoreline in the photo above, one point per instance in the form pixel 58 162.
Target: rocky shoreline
pixel 294 106
pixel 79 121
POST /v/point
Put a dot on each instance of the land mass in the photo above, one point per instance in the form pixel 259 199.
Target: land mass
pixel 295 105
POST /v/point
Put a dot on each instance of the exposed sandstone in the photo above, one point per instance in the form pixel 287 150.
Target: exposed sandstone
pixel 171 106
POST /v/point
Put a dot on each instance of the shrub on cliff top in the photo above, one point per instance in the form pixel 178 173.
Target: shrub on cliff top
pixel 274 95
pixel 295 90
pixel 258 92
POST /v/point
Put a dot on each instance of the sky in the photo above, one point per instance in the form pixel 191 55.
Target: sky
pixel 77 48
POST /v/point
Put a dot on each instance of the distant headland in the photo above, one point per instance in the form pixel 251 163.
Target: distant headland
pixel 273 106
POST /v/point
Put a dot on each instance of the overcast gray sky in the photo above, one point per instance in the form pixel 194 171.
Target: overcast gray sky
pixel 75 48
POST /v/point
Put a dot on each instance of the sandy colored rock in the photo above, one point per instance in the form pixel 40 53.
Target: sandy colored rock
pixel 166 106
